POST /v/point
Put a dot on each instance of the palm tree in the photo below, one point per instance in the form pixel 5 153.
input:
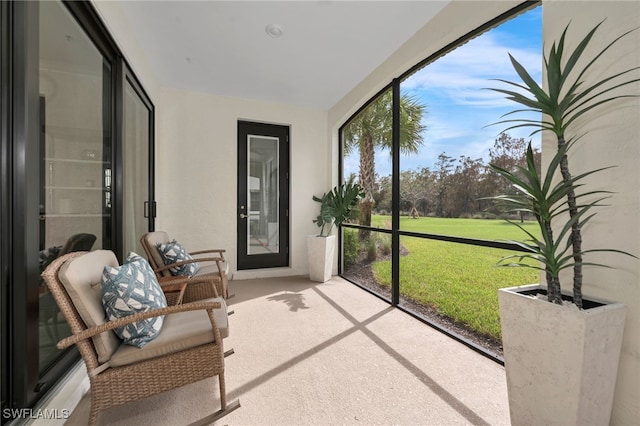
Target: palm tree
pixel 372 129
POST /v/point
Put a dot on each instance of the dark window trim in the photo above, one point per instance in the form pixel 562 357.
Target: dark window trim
pixel 23 205
pixel 395 232
pixel 6 29
pixel 90 21
pixel 131 79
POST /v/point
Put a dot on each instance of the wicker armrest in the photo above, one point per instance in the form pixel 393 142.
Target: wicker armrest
pixel 121 322
pixel 174 286
pixel 176 281
pixel 185 284
pixel 174 290
pixel 187 262
pixel 220 251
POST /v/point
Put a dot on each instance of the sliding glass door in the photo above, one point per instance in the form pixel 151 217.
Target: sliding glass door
pixel 76 155
pixel 76 174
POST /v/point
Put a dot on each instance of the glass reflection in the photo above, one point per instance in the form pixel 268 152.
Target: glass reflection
pixel 263 188
pixel 75 156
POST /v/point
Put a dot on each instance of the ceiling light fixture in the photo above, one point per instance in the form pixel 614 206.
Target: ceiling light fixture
pixel 273 30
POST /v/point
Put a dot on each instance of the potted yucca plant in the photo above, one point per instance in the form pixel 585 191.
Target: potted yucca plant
pixel 561 362
pixel 335 207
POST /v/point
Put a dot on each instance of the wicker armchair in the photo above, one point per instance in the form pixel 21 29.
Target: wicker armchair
pixel 189 347
pixel 215 269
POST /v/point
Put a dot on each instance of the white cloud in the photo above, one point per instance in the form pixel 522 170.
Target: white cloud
pixel 463 75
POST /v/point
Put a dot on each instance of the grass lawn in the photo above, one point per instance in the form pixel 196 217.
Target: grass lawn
pixel 459 280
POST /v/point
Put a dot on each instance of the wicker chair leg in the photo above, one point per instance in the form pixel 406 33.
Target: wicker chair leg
pixel 223 391
pixel 217 415
pixel 93 415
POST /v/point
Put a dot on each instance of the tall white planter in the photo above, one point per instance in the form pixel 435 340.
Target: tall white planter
pixel 561 363
pixel 321 251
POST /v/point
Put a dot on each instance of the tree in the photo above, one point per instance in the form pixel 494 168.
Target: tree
pixel 465 184
pixel 382 195
pixel 372 129
pixel 414 190
pixel 443 168
pixel 508 153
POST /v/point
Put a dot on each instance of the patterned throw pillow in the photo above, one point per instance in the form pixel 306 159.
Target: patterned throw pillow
pixel 173 252
pixel 129 289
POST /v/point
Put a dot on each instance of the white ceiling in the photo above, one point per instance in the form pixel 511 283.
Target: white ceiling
pixel 326 49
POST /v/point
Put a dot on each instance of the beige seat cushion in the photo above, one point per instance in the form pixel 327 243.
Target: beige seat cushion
pixel 180 331
pixel 81 278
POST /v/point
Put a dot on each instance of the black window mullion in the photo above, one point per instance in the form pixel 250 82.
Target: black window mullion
pixel 395 196
pixel 117 157
pixel 5 223
pixel 23 198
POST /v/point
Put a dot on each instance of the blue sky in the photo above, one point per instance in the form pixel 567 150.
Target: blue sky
pixel 453 90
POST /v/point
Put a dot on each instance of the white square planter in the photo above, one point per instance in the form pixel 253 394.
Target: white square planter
pixel 321 251
pixel 561 363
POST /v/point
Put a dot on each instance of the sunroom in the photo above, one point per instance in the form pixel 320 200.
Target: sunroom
pixel 182 83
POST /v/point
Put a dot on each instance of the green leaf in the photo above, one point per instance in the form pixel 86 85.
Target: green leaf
pixel 337 204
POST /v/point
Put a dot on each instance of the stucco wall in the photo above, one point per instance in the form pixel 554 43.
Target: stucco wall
pixel 611 138
pixel 196 171
pixel 120 29
pixel 196 158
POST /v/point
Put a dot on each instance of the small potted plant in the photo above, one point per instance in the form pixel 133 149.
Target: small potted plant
pixel 561 358
pixel 335 207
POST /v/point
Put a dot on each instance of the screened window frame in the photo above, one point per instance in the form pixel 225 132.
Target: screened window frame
pixel 395 230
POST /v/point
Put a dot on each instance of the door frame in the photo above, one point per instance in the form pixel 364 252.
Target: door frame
pixel 266 260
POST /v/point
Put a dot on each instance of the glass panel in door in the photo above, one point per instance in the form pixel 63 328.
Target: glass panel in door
pixel 136 170
pixel 263 227
pixel 75 175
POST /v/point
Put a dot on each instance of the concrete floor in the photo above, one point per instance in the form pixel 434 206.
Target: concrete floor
pixel 330 353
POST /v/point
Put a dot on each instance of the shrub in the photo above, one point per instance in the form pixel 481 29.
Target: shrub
pixel 385 244
pixel 350 247
pixel 372 249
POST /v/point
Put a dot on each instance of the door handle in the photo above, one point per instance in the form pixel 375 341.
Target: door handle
pixel 242 215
